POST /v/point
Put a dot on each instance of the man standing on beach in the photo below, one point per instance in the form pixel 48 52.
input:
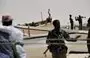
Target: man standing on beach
pixel 16 36
pixel 79 19
pixel 56 41
pixel 88 37
pixel 71 21
pixel 49 19
pixel 88 22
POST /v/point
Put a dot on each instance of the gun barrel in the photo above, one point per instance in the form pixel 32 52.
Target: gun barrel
pixel 45 51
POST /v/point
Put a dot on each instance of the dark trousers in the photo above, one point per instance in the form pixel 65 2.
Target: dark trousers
pixel 88 46
pixel 59 53
pixel 80 26
pixel 62 54
pixel 72 26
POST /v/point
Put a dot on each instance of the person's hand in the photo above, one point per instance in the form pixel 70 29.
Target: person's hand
pixel 74 39
pixel 78 36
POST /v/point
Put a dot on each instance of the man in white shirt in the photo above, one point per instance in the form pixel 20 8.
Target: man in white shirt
pixel 16 35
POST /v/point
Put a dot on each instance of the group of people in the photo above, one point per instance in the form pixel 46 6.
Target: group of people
pixel 11 40
pixel 79 19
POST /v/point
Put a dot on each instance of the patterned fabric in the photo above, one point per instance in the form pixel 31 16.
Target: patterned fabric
pixel 57 37
pixel 56 44
pixel 5 45
pixel 2 55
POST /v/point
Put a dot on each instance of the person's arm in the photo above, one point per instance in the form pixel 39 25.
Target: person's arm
pixel 18 36
pixel 19 47
pixel 83 17
pixel 21 51
pixel 5 29
pixel 67 37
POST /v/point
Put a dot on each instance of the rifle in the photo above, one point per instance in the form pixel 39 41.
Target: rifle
pixel 45 52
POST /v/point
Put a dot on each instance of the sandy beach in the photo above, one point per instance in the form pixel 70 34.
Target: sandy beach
pixel 37 52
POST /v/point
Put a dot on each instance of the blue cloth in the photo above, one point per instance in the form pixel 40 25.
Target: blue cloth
pixel 4 55
pixel 5 45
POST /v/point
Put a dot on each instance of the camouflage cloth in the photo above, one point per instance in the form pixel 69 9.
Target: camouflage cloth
pixel 56 44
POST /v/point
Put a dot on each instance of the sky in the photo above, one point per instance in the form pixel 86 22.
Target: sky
pixel 25 11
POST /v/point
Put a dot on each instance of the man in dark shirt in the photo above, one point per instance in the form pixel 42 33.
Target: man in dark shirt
pixel 55 41
pixel 88 37
pixel 71 21
pixel 88 22
pixel 49 19
pixel 79 19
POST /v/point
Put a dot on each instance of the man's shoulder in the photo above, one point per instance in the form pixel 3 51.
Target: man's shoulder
pixel 5 29
pixel 16 30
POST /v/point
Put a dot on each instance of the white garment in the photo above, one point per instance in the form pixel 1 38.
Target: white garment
pixel 21 51
pixel 16 36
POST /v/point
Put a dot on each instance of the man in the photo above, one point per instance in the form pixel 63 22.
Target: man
pixel 16 36
pixel 88 37
pixel 88 22
pixel 71 21
pixel 49 19
pixel 55 41
pixel 79 19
